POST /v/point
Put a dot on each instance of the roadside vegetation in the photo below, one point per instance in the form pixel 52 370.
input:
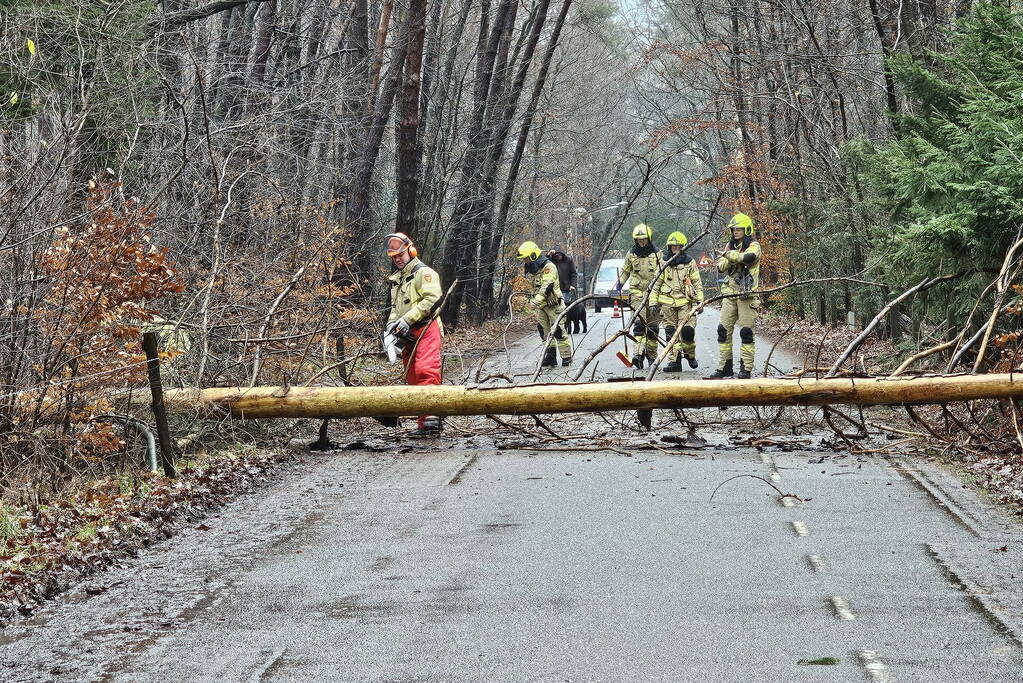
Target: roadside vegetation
pixel 222 173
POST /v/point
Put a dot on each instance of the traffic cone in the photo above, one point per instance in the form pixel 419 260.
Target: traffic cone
pixel 617 312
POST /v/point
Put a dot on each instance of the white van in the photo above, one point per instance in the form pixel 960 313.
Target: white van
pixel 607 275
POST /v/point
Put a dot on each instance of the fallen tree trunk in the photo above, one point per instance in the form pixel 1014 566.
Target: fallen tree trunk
pixel 325 402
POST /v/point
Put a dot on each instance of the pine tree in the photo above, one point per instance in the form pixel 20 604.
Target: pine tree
pixel 954 179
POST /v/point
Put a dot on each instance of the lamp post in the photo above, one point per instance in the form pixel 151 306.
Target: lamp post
pixel 580 213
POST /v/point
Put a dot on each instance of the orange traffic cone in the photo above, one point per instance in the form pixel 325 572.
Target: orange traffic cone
pixel 617 312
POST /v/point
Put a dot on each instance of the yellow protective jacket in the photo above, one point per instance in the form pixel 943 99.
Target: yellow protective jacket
pixel 543 274
pixel 679 283
pixel 741 265
pixel 640 268
pixel 415 290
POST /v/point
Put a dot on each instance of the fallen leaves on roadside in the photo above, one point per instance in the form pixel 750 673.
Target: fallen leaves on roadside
pixel 59 543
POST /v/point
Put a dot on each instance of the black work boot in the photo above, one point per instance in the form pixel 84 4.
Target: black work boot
pixel 432 426
pixel 692 361
pixel 743 372
pixel 550 358
pixel 722 373
pixel 675 365
pixel 637 361
pixel 565 362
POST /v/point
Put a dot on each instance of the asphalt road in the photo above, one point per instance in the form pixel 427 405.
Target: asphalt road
pixel 466 559
pixel 524 356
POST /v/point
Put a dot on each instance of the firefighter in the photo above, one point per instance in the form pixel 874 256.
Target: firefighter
pixel 641 265
pixel 546 300
pixel 679 290
pixel 415 294
pixel 740 264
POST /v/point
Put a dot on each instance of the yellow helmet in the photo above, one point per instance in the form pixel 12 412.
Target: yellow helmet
pixel 642 232
pixel 677 238
pixel 529 250
pixel 741 220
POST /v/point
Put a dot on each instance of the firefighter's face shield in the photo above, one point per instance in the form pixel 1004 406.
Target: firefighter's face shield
pixel 397 250
pixel 395 246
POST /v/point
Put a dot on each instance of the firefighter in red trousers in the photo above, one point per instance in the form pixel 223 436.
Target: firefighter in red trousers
pixel 415 294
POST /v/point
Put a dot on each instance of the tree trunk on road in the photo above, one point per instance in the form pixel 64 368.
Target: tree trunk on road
pixel 324 402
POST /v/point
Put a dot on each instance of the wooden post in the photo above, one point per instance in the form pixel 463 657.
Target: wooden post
pixel 323 442
pixel 149 345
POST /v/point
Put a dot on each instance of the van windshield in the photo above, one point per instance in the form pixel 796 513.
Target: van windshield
pixel 607 273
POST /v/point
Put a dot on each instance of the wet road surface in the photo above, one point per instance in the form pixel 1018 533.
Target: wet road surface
pixel 522 358
pixel 460 560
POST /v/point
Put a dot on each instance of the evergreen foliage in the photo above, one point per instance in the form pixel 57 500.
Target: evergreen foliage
pixel 952 182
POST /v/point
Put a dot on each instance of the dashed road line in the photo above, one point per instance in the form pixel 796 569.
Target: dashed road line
pixel 789 502
pixel 769 461
pixel 800 528
pixel 875 668
pixel 842 609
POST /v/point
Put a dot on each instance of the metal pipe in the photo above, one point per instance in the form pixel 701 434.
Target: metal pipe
pixel 141 427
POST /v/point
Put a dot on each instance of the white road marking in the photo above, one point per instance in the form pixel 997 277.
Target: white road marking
pixel 769 461
pixel 842 610
pixel 801 528
pixel 817 562
pixel 875 667
pixel 789 502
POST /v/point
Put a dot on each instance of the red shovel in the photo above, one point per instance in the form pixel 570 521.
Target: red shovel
pixel 623 356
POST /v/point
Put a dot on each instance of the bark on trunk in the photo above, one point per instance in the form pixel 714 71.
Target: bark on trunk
pixel 326 402
pixel 408 149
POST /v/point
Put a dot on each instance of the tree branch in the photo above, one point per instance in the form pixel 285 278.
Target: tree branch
pixel 166 22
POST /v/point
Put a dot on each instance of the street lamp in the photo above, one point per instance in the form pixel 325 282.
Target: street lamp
pixel 581 212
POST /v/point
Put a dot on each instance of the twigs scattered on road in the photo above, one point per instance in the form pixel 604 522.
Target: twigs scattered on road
pixel 756 476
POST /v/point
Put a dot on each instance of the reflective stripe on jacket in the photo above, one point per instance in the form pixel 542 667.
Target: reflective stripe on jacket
pixel 641 270
pixel 741 266
pixel 415 289
pixel 680 285
pixel 546 287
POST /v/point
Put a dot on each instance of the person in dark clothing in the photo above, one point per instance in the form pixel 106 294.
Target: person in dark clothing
pixel 566 268
pixel 566 280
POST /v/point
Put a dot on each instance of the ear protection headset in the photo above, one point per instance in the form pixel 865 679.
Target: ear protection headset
pixel 406 245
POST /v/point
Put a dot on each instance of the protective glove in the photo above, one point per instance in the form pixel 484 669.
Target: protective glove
pixel 401 327
pixel 655 309
pixel 616 290
pixel 733 256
